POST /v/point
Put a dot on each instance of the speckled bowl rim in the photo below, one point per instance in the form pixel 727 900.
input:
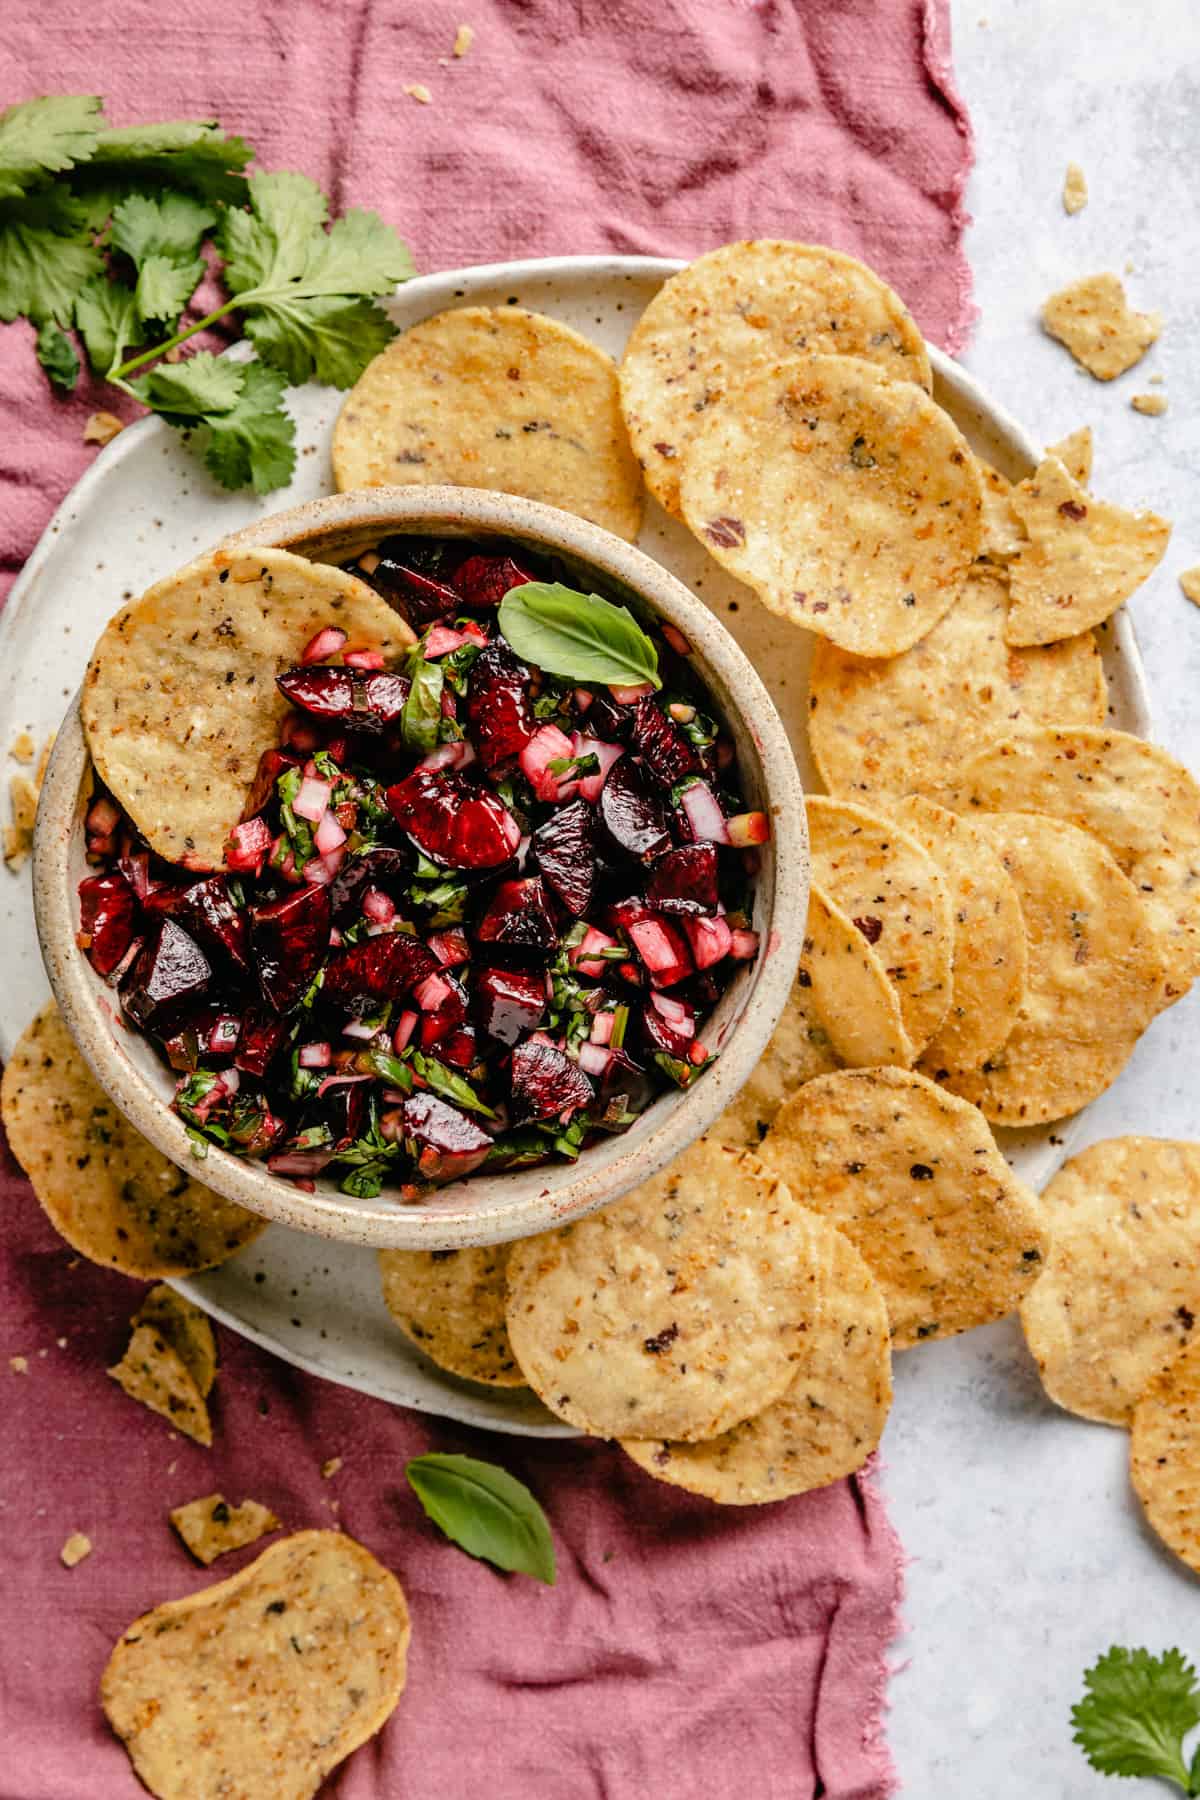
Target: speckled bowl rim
pixel 484 1209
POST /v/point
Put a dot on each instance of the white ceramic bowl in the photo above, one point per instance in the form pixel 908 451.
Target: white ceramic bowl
pixel 484 1209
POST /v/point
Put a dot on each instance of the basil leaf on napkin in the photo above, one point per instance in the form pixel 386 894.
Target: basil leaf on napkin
pixel 580 636
pixel 486 1511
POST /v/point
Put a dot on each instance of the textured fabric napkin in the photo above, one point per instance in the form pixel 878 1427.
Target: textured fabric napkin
pixel 686 1650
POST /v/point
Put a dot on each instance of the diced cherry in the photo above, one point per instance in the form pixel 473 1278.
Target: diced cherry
pixel 262 1038
pixel 684 880
pixel 509 1002
pixel 107 919
pixel 170 974
pixel 290 938
pixel 545 1083
pixel 449 1144
pixel 208 910
pixel 498 714
pixel 484 580
pixel 633 816
pixel 360 701
pixel 359 976
pixel 452 821
pixel 450 947
pixel 518 919
pixel 385 869
pixel 661 745
pixel 565 848
pixel 418 576
pixel 710 940
pixel 271 765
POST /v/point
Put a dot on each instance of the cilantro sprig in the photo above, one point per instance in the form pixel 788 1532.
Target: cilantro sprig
pixel 1136 1712
pixel 106 233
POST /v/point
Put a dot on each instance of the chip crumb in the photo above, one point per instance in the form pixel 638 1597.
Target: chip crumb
pixel 18 837
pixel 1096 323
pixel 23 748
pixel 75 1549
pixel 1075 192
pixel 1154 404
pixel 1189 581
pixel 19 1365
pixel 416 90
pixel 464 37
pixel 210 1526
pixel 101 428
pixel 330 1468
pixel 39 774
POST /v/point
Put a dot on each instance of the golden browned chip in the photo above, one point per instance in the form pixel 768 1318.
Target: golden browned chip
pixel 913 1177
pixel 878 875
pixel 1094 320
pixel 260 1685
pixel 154 1374
pixel 1002 532
pixel 800 1048
pixel 849 503
pixel 1074 452
pixel 1120 1293
pixel 115 1198
pixel 880 728
pixel 1140 802
pixel 494 397
pixel 852 996
pixel 451 1304
pixel 675 1312
pixel 1084 558
pixel 1094 980
pixel 826 1423
pixel 1164 1455
pixel 709 326
pixel 989 938
pixel 186 1329
pixel 1075 193
pixel 210 1526
pixel 179 700
pixel 1189 581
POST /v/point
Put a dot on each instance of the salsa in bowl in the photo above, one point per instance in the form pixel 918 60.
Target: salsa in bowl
pixel 489 923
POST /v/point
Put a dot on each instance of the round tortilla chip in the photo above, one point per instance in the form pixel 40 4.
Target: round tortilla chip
pixel 800 1048
pixel 451 1304
pixel 739 306
pixel 851 504
pixel 881 879
pixel 176 1689
pixel 826 1423
pixel 109 1193
pixel 1084 557
pixel 675 1312
pixel 1120 1293
pixel 179 700
pixel 187 1330
pixel 1164 1456
pixel 990 959
pixel 1140 802
pixel 851 993
pixel 907 725
pixel 1003 533
pixel 1074 452
pixel 1094 980
pixel 913 1177
pixel 494 397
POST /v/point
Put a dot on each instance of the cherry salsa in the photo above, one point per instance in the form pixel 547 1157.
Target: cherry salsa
pixel 475 913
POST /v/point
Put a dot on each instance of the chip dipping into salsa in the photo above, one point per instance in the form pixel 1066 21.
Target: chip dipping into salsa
pixel 466 863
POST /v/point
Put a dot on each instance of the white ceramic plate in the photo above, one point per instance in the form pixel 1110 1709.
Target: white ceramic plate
pixel 145 507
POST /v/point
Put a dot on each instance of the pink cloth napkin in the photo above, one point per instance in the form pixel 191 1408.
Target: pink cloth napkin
pixel 686 1650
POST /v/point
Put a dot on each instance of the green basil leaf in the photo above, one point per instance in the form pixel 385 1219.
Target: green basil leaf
pixel 450 1086
pixel 485 1511
pixel 422 712
pixel 580 636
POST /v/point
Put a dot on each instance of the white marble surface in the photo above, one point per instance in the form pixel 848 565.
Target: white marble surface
pixel 1028 1557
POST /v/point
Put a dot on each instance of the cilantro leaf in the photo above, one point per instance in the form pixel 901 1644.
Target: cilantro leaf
pixel 164 287
pixel 106 318
pixel 1136 1712
pixel 191 154
pixel 248 437
pixel 56 353
pixel 46 255
pixel 172 226
pixel 43 137
pixel 306 291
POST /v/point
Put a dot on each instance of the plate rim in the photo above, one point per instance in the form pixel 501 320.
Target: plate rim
pixel 440 287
